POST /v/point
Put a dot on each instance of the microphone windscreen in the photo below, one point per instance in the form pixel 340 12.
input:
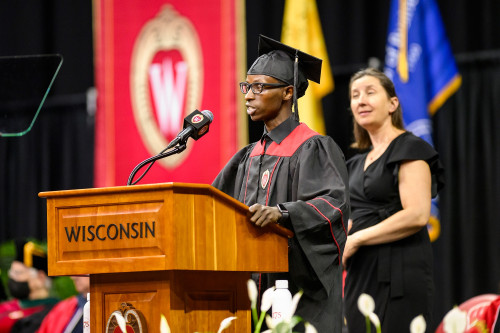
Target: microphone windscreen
pixel 208 114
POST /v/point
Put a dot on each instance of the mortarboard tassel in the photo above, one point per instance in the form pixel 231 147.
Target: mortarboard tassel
pixel 295 82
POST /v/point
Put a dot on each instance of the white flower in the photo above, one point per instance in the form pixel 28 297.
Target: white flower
pixel 295 302
pixel 164 328
pixel 455 321
pixel 418 325
pixel 267 299
pixel 225 323
pixel 270 322
pixel 309 328
pixel 366 304
pixel 121 321
pixel 252 292
pixel 374 319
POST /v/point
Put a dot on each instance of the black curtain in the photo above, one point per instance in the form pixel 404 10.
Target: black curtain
pixel 52 26
pixel 467 136
pixel 56 154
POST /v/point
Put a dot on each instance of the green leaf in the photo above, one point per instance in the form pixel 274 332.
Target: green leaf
pixel 282 327
pixel 295 320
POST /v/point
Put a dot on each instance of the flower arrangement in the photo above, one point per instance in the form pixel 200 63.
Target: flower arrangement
pixel 164 328
pixel 455 320
pixel 366 306
pixel 282 325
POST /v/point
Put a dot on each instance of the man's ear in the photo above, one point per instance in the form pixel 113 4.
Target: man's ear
pixel 288 93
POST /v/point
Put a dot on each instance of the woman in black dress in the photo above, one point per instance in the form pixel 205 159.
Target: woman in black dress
pixel 388 253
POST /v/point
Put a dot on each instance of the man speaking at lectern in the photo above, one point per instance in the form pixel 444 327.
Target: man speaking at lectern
pixel 294 177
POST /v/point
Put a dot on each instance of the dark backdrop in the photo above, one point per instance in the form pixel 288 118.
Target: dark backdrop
pixel 58 153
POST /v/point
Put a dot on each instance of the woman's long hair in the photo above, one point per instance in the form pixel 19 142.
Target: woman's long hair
pixel 361 137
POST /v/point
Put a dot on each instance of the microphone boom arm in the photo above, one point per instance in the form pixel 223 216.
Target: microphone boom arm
pixel 175 150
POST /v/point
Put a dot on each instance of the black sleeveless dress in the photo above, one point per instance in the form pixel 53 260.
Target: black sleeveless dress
pixel 398 275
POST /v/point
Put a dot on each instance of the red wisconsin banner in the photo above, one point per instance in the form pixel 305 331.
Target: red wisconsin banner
pixel 156 62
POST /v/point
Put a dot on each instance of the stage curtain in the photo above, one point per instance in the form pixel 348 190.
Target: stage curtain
pixel 57 154
pixel 467 136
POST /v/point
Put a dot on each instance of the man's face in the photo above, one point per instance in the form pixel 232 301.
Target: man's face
pixel 22 280
pixel 82 284
pixel 267 105
pixel 19 272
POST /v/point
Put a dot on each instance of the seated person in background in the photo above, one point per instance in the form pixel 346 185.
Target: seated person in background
pixel 67 315
pixel 30 287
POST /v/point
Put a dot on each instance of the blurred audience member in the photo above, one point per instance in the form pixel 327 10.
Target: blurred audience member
pixel 29 286
pixel 67 315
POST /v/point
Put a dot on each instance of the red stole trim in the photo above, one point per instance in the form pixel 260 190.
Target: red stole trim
pixel 289 145
pixel 270 179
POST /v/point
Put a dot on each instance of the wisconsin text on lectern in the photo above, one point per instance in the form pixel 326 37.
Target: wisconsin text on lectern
pixel 111 231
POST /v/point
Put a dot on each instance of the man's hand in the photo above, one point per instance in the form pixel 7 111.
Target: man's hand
pixel 263 215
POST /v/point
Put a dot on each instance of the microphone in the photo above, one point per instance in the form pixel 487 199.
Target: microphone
pixel 196 125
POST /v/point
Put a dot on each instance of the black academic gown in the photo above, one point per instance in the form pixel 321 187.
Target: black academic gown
pixel 306 173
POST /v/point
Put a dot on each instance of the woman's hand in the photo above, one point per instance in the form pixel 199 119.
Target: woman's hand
pixel 352 245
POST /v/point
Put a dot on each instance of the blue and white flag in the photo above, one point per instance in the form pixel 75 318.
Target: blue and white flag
pixel 420 62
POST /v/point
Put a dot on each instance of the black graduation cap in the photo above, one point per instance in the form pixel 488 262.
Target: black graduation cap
pixel 31 254
pixel 286 64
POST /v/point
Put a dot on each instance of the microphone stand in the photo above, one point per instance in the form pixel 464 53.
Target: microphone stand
pixel 175 150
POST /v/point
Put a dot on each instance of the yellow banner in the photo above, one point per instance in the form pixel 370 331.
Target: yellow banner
pixel 302 30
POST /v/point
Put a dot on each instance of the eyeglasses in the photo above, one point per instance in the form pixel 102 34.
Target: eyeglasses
pixel 257 87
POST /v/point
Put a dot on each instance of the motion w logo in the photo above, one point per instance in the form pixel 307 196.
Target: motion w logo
pixel 168 80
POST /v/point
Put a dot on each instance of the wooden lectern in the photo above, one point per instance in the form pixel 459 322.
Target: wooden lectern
pixel 182 250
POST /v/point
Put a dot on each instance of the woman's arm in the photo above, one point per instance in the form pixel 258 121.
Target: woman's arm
pixel 415 194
